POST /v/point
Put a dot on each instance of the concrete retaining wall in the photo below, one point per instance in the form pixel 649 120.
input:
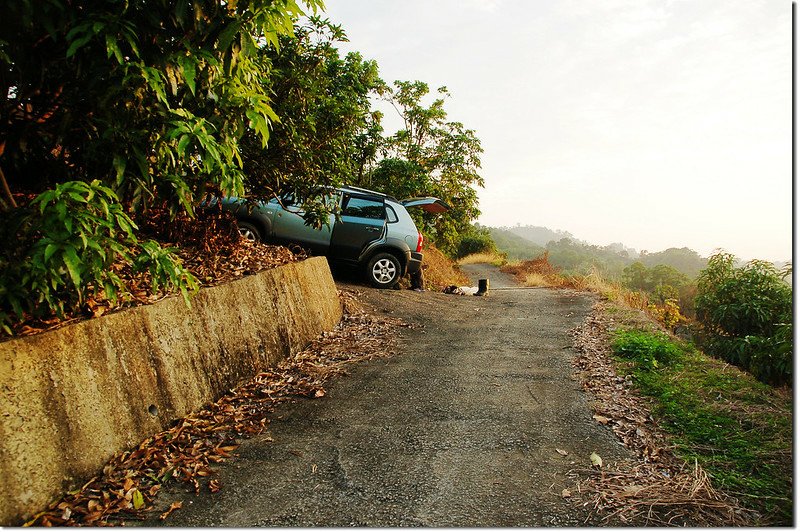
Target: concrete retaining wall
pixel 73 397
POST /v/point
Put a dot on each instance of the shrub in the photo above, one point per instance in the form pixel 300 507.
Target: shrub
pixel 478 240
pixel 71 243
pixel 746 316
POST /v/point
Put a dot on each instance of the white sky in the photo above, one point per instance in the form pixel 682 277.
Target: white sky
pixel 656 123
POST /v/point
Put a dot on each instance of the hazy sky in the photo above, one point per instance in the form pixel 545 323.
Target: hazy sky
pixel 654 123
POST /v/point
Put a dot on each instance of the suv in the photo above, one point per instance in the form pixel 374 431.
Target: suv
pixel 374 231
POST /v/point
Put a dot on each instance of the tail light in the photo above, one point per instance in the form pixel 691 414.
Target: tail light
pixel 419 243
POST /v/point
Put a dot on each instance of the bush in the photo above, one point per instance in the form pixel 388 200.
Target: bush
pixel 746 317
pixel 477 241
pixel 70 245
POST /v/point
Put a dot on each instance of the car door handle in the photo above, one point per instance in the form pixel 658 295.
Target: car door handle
pixel 372 228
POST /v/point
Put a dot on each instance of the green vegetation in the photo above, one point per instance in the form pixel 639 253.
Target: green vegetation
pixel 746 316
pixel 150 107
pixel 738 429
pixel 477 240
pixel 430 156
pixel 327 134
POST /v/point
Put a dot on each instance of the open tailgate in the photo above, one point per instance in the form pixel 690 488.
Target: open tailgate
pixel 432 205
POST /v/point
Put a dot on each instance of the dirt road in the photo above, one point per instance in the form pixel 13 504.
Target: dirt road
pixel 460 428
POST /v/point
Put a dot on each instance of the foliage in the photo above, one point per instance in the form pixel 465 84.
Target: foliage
pixel 668 314
pixel 746 316
pixel 68 245
pixel 738 429
pixel 684 260
pixel 327 134
pixel 579 258
pixel 150 99
pixel 662 281
pixel 430 156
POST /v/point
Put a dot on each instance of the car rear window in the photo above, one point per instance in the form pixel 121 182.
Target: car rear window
pixel 391 216
pixel 364 208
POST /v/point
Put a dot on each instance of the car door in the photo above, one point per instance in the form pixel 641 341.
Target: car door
pixel 363 220
pixel 289 227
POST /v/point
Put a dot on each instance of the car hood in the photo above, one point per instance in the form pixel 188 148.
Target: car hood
pixel 433 205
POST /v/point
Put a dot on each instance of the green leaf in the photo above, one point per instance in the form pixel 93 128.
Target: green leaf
pixel 226 36
pixel 77 44
pixel 49 250
pixel 188 69
pixel 73 264
pixel 183 143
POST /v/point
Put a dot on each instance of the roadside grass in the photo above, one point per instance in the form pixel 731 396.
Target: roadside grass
pixel 737 428
pixel 495 259
pixel 439 271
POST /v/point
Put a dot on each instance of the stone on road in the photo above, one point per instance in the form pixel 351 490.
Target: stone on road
pixel 460 428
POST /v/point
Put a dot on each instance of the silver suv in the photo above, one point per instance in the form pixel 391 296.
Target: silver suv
pixel 374 231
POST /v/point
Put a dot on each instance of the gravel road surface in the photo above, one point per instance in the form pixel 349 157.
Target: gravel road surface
pixel 460 428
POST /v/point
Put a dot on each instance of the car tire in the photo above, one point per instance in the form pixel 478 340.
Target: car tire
pixel 249 232
pixel 383 270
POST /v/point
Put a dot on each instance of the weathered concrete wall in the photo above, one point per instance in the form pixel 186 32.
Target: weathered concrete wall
pixel 73 397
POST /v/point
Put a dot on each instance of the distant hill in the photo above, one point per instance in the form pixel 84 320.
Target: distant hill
pixel 684 260
pixel 513 245
pixel 578 256
pixel 538 235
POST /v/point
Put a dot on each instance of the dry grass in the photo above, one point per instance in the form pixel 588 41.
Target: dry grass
pixel 538 272
pixel 440 271
pixel 536 279
pixel 495 259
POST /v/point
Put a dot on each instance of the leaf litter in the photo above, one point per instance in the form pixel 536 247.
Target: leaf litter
pixel 657 488
pixel 187 452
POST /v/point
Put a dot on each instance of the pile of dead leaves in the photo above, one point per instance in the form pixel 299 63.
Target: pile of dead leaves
pixel 658 489
pixel 186 453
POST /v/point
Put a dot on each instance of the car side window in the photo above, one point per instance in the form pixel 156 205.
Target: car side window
pixel 391 216
pixel 364 208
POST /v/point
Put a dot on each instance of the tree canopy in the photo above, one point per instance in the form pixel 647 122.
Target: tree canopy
pixel 430 156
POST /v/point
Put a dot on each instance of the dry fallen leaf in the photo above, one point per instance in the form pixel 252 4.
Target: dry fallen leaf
pixel 596 460
pixel 177 505
pixel 601 419
pixel 562 452
pixel 566 493
pixel 319 393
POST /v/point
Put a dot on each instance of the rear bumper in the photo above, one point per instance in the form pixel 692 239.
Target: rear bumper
pixel 414 262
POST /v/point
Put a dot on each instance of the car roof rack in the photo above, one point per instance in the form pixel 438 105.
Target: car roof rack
pixel 367 191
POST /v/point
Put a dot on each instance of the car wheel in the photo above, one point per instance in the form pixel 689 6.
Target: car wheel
pixel 383 270
pixel 249 232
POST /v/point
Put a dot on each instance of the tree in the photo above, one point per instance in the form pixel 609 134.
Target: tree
pixel 430 156
pixel 142 103
pixel 150 97
pixel 746 316
pixel 327 134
